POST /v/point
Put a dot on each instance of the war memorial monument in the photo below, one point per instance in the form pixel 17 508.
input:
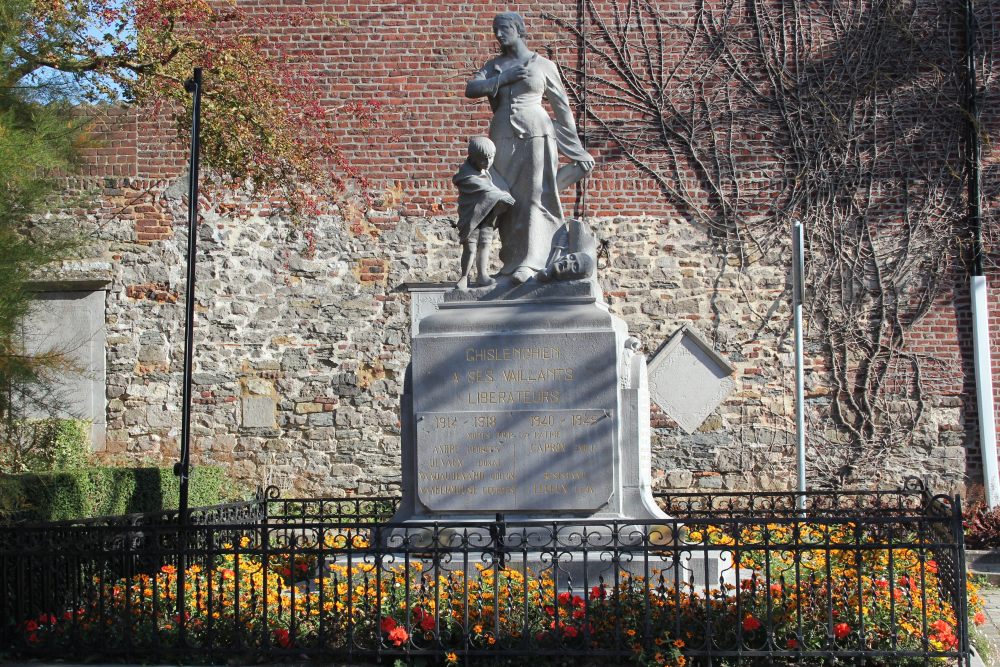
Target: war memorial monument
pixel 525 396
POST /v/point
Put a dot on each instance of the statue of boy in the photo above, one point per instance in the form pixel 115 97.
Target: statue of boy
pixel 481 198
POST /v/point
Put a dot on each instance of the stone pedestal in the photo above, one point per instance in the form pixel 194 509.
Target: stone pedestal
pixel 534 408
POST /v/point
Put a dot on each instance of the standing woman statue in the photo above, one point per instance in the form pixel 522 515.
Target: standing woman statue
pixel 528 144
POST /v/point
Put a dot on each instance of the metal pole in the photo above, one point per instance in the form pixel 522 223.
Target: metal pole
pixel 183 467
pixel 982 359
pixel 798 272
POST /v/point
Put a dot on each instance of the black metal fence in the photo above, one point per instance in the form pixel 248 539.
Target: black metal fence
pixel 866 578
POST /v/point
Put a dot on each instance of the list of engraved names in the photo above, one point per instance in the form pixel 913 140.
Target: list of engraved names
pixel 521 429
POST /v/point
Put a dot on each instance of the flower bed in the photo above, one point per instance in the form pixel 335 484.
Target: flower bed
pixel 793 593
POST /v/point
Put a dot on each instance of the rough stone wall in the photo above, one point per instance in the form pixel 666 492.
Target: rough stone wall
pixel 300 356
pixel 300 359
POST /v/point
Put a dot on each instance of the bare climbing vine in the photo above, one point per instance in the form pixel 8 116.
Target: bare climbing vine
pixel 844 114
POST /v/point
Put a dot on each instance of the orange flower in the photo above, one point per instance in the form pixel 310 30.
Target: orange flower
pixel 168 569
pixel 979 618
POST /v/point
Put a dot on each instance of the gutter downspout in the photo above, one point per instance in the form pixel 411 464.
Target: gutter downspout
pixel 798 296
pixel 982 359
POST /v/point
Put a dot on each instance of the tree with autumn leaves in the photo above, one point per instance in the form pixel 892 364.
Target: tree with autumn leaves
pixel 262 124
pixel 263 128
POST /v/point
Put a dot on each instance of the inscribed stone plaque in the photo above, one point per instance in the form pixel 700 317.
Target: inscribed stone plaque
pixel 514 460
pixel 516 421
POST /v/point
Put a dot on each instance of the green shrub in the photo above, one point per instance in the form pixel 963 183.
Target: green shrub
pixel 39 445
pixel 102 491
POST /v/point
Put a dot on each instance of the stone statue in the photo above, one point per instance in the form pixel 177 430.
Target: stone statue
pixel 573 255
pixel 481 198
pixel 574 266
pixel 528 144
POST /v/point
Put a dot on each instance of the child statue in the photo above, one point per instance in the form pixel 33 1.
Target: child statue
pixel 481 198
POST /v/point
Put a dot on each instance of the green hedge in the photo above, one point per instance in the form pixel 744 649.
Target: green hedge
pixel 103 491
pixel 38 445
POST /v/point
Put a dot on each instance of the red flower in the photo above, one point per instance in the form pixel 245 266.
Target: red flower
pixel 570 632
pixel 564 597
pixel 282 638
pixel 979 618
pixel 598 593
pixel 398 635
pixel 943 631
pixel 792 643
pixel 30 626
pixel 841 630
pixel 388 624
pixel 168 569
pixel 750 623
pixel 426 622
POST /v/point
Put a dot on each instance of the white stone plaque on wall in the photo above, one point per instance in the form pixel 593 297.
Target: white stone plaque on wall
pixel 688 379
pixel 71 323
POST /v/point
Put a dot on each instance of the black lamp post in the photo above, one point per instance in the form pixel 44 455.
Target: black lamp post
pixel 183 467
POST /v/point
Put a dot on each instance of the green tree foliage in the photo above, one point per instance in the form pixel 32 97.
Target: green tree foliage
pixel 39 139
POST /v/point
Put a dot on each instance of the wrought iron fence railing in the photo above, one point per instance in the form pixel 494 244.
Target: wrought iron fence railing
pixel 741 583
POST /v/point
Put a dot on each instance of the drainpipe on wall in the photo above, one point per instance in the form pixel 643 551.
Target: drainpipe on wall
pixel 982 360
pixel 798 293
